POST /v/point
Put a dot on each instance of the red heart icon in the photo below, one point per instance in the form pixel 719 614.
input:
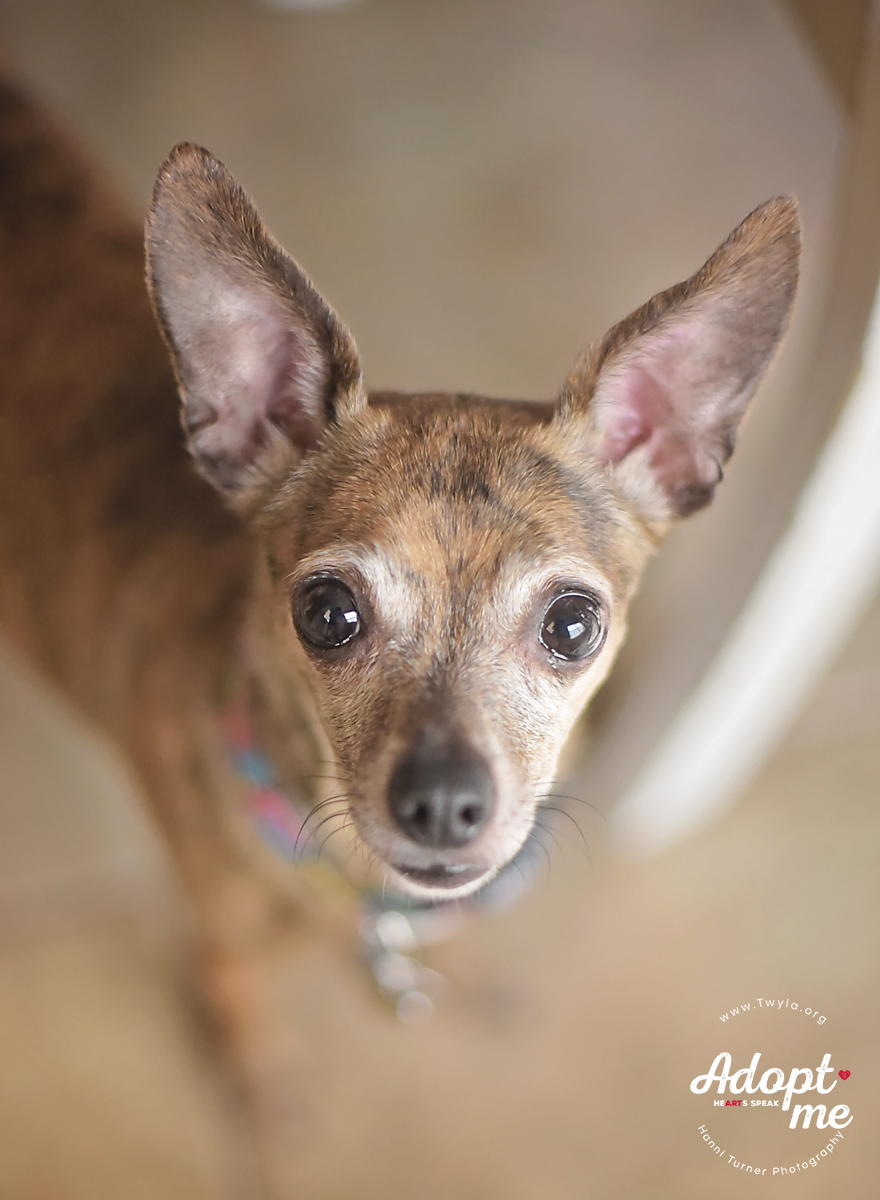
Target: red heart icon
pixel 843 1074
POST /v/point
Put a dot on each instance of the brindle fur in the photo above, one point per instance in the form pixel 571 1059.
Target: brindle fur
pixel 137 586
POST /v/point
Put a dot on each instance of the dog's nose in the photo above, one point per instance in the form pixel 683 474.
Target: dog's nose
pixel 441 796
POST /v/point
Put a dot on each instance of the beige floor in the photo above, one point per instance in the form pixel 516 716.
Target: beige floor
pixel 479 187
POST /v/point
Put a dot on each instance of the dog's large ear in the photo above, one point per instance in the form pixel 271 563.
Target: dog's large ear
pixel 665 390
pixel 263 363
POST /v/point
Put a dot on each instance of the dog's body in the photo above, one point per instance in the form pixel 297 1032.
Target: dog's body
pixel 424 592
pixel 123 576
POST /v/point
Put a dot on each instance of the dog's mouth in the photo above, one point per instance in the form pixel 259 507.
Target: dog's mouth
pixel 443 876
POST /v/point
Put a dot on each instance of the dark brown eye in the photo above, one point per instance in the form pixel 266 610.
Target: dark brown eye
pixel 572 627
pixel 325 614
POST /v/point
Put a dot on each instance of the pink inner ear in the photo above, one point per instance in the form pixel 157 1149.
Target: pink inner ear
pixel 258 372
pixel 641 410
pixel 649 401
pixel 294 403
pixel 634 402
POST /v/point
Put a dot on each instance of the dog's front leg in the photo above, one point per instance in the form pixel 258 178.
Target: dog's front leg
pixel 257 918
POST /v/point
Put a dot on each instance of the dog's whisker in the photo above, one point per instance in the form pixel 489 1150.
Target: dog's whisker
pixel 320 804
pixel 332 817
pixel 562 812
pixel 541 796
pixel 535 840
pixel 515 863
pixel 338 798
pixel 282 779
pixel 303 782
pixel 346 824
pixel 357 843
pixel 545 829
pixel 311 813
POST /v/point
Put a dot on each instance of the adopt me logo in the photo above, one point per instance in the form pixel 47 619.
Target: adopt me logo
pixel 780 1113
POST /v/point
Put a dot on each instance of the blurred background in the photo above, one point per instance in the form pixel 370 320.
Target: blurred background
pixel 481 187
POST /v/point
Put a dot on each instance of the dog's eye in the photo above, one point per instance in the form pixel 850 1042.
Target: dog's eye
pixel 572 627
pixel 325 614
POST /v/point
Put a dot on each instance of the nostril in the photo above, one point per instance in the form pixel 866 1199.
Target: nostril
pixel 471 814
pixel 421 817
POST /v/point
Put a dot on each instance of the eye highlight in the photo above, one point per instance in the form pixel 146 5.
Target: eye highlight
pixel 325 614
pixel 572 627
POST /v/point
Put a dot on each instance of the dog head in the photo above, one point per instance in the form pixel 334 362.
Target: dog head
pixel 449 574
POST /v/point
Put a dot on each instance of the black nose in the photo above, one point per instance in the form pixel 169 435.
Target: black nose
pixel 441 795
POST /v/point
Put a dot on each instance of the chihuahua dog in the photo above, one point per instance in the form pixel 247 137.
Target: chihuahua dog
pixel 442 580
pixel 421 591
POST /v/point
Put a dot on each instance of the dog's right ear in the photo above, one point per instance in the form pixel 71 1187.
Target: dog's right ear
pixel 263 363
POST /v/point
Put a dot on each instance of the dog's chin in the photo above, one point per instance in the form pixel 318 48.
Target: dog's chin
pixel 437 884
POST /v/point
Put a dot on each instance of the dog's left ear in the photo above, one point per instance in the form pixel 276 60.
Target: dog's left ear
pixel 665 390
pixel 263 363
